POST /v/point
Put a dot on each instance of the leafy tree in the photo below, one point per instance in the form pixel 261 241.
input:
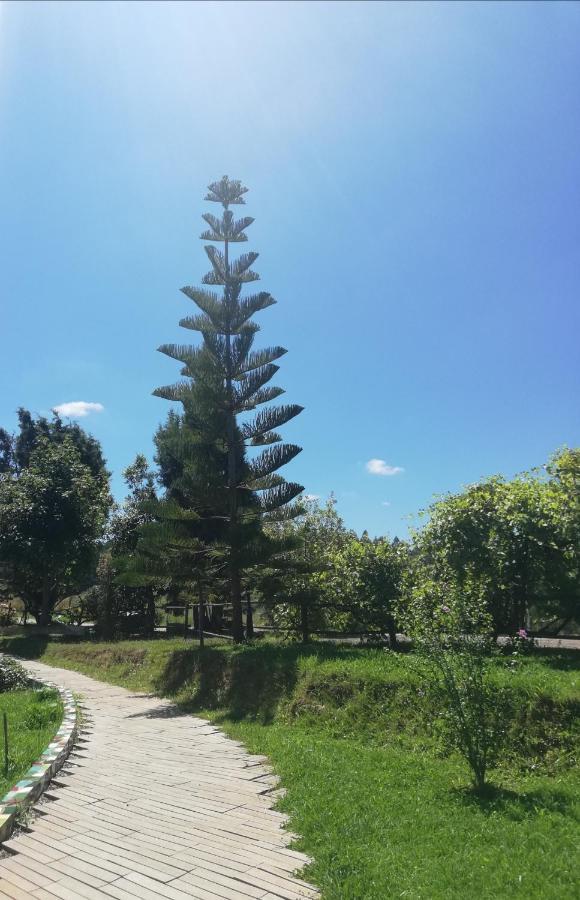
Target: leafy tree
pixel 16 449
pixel 128 518
pixel 53 511
pixel 514 543
pixel 296 593
pixel 225 378
pixel 365 582
pixel 562 596
pixel 118 602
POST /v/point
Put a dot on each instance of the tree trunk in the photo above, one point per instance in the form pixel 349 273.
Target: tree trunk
pixel 234 573
pixel 237 613
pixel 150 611
pixel 249 618
pixel 304 622
pixel 392 632
pixel 45 615
pixel 200 615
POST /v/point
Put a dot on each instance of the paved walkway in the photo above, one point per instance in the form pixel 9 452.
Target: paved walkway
pixel 153 804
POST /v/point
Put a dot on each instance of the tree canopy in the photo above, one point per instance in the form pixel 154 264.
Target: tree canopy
pixel 53 511
pixel 512 545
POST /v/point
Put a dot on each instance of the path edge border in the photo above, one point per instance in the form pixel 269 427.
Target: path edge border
pixel 34 782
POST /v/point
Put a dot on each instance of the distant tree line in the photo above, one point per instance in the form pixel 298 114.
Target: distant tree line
pixel 213 524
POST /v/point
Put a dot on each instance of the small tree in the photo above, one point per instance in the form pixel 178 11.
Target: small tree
pixel 225 380
pixel 454 634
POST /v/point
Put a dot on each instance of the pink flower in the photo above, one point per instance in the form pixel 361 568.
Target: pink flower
pixel 445 609
pixel 522 633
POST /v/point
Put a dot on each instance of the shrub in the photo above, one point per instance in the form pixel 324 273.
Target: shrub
pixel 454 633
pixel 12 676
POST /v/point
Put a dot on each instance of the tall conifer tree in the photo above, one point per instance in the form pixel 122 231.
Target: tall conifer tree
pixel 225 378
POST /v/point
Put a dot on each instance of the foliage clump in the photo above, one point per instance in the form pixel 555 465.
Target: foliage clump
pixel 13 676
pixel 54 502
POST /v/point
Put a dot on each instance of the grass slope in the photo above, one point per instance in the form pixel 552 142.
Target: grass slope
pixel 33 719
pixel 353 734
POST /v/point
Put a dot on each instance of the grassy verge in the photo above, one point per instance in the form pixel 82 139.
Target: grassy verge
pixel 353 733
pixel 33 719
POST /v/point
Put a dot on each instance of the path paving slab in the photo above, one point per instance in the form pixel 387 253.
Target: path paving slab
pixel 152 804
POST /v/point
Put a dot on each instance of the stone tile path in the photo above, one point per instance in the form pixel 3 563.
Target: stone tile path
pixel 153 805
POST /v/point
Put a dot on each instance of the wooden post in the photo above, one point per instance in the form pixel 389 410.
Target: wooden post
pixel 185 619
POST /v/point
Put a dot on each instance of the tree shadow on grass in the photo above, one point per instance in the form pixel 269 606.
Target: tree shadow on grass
pixel 518 805
pixel 558 658
pixel 175 711
pixel 245 683
pixel 24 646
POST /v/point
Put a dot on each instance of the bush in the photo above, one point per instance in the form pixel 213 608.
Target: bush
pixel 454 633
pixel 8 615
pixel 12 676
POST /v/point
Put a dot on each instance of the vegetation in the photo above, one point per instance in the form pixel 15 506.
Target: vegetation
pixel 456 641
pixel 54 500
pixel 372 744
pixel 114 604
pixel 513 545
pixel 226 379
pixel 33 717
pixel 12 675
pixel 374 790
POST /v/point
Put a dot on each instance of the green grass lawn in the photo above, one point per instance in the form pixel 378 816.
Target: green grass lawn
pixel 382 822
pixel 353 734
pixel 34 717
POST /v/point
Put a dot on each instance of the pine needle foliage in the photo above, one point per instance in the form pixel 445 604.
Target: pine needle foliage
pixel 225 379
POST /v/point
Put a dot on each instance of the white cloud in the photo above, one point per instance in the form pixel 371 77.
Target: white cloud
pixel 77 409
pixel 380 467
pixel 386 503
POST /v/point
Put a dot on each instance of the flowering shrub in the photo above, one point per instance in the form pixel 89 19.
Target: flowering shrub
pixel 521 643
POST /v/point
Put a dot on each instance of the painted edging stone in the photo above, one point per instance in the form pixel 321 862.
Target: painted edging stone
pixel 40 773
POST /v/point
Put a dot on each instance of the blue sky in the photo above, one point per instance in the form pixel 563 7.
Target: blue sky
pixel 413 170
